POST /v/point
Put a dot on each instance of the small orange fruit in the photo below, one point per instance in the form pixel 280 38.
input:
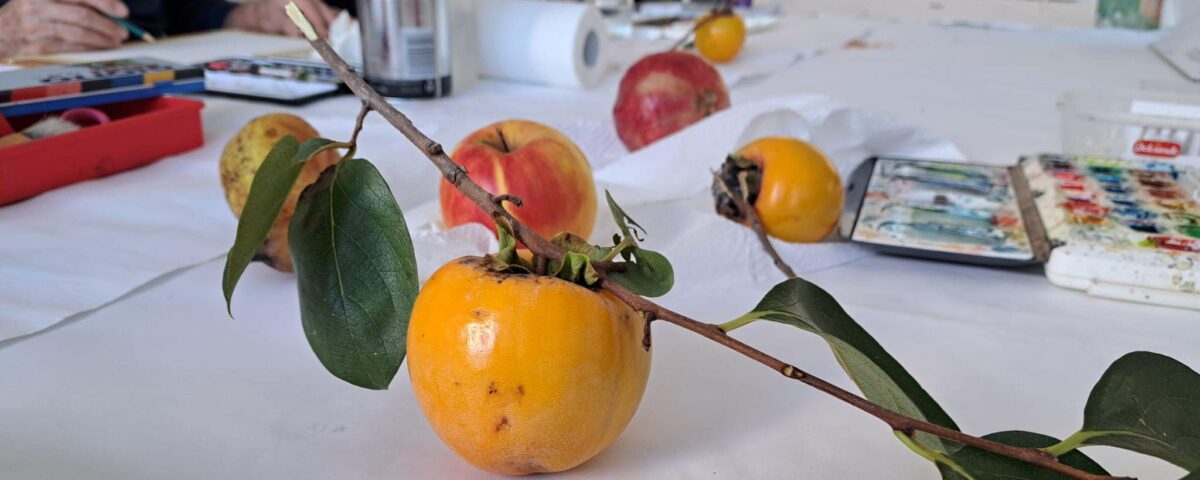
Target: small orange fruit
pixel 522 373
pixel 799 194
pixel 720 36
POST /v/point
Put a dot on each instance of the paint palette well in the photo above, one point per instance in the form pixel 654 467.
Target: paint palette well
pixel 1119 204
pixel 1120 229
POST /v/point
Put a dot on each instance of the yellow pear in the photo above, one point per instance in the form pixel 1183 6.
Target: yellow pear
pixel 245 152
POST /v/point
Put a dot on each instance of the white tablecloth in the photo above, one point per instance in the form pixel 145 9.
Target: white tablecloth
pixel 162 384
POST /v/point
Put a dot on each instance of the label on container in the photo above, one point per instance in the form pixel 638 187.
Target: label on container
pixel 1157 149
pixel 420 53
pixel 1164 143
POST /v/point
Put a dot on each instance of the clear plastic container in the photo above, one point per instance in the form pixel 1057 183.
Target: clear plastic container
pixel 1137 125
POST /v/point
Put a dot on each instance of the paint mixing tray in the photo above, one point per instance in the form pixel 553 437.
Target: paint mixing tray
pixel 1121 229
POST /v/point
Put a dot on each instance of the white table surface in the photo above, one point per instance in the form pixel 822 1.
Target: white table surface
pixel 162 384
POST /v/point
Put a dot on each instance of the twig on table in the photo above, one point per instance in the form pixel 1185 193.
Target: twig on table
pixel 751 215
pixel 544 249
pixel 894 420
pixel 727 8
pixel 682 42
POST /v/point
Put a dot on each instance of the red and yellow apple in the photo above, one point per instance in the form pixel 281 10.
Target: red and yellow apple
pixel 664 93
pixel 531 161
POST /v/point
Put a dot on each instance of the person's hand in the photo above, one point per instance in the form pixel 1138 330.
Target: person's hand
pixel 267 16
pixel 29 27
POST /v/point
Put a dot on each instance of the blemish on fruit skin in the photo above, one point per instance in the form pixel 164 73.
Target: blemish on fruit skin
pixel 521 390
pixel 502 424
pixel 527 467
pixel 492 390
pixel 480 338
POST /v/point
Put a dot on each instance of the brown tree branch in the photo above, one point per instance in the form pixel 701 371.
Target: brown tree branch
pixel 358 123
pixel 541 247
pixel 894 420
pixel 513 199
pixel 687 36
pixel 756 224
pixel 454 173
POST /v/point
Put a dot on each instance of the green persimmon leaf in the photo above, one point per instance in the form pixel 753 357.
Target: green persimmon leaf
pixel 647 273
pixel 630 228
pixel 984 465
pixel 506 259
pixel 357 273
pixel 508 243
pixel 268 192
pixel 573 243
pixel 314 146
pixel 881 378
pixel 575 268
pixel 1147 403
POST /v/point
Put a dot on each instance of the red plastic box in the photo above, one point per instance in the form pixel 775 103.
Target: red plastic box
pixel 140 132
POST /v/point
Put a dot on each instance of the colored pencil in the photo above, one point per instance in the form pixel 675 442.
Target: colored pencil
pixel 135 30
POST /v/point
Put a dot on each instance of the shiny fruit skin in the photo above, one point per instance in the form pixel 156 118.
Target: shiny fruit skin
pixel 720 37
pixel 245 152
pixel 800 198
pixel 521 373
pixel 664 93
pixel 534 162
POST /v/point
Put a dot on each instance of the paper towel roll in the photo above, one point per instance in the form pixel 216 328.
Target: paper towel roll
pixel 547 43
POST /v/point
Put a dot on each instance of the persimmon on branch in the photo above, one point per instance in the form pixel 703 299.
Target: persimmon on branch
pixel 905 426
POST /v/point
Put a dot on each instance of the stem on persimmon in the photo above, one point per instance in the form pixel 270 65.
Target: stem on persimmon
pixel 755 222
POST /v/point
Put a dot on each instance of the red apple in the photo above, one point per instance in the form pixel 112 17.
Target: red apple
pixel 531 161
pixel 664 93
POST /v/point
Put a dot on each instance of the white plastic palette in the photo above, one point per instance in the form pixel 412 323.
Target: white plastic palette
pixel 1120 229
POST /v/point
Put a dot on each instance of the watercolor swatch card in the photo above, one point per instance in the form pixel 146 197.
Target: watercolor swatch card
pixel 960 210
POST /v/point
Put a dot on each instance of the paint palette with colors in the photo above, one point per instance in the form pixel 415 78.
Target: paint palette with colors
pixel 1120 229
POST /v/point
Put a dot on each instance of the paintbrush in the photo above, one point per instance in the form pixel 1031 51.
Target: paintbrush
pixel 134 30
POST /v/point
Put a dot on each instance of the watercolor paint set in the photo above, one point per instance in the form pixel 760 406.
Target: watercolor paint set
pixel 55 88
pixel 284 81
pixel 1120 229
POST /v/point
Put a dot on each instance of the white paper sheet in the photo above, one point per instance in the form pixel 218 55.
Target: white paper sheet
pixel 765 53
pixel 194 48
pixel 163 385
pixel 73 250
pixel 79 247
pixel 669 182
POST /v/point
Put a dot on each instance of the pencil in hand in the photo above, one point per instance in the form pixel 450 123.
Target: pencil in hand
pixel 134 30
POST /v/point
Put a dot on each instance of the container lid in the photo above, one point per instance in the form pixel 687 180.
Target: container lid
pixel 60 87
